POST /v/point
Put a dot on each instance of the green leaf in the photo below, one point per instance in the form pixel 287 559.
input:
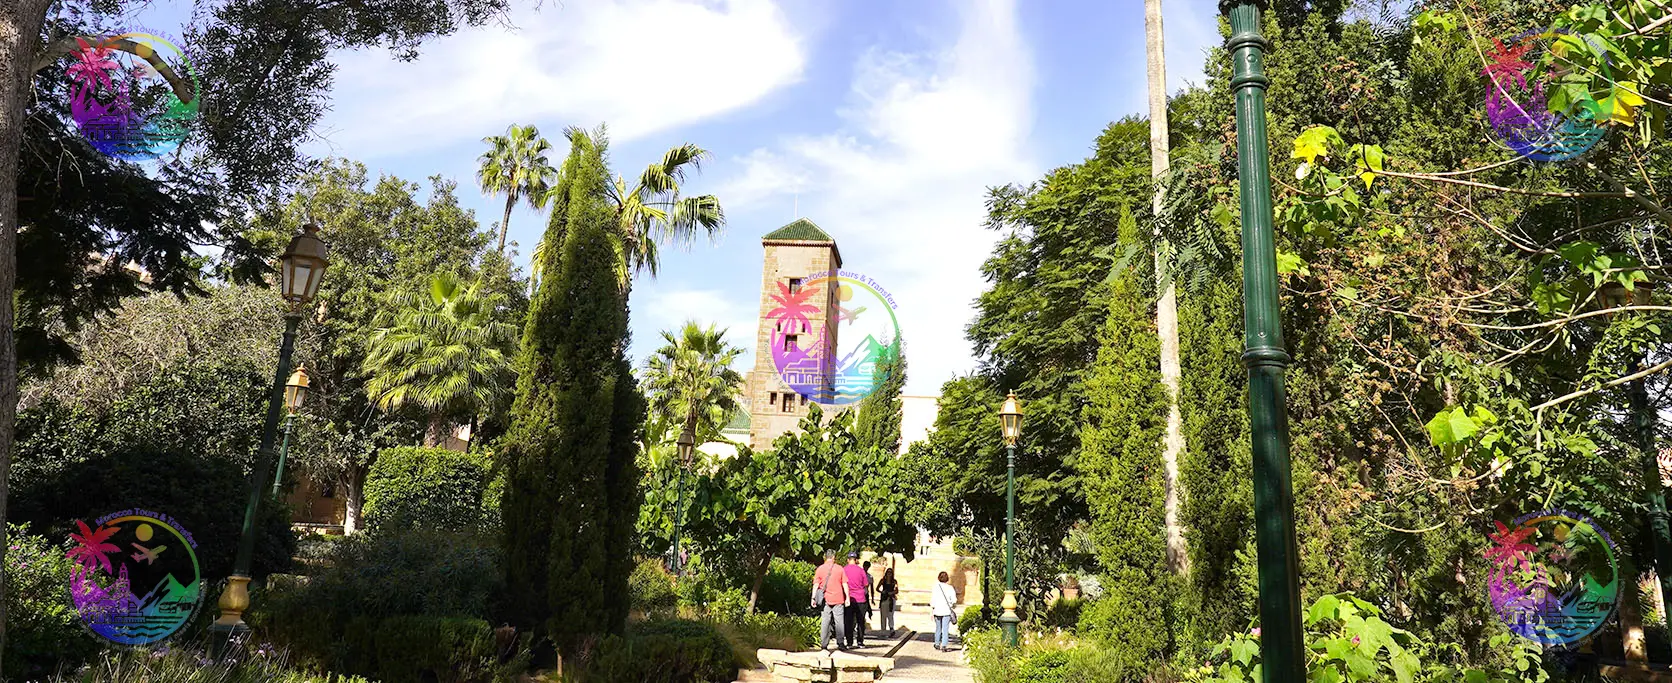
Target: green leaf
pixel 1405 667
pixel 1243 650
pixel 1323 608
pixel 1291 263
pixel 1314 142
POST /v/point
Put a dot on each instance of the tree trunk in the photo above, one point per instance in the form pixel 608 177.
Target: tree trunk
pixel 355 499
pixel 1166 308
pixel 760 578
pixel 1631 620
pixel 20 37
pixel 505 223
pixel 435 434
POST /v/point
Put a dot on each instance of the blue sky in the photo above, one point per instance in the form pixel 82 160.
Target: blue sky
pixel 883 122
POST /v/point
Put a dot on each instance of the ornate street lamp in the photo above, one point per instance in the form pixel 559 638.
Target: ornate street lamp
pixel 1282 645
pixel 687 443
pixel 301 268
pixel 1615 296
pixel 295 391
pixel 1010 418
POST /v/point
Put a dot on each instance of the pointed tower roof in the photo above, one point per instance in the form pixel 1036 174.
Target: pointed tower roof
pixel 799 229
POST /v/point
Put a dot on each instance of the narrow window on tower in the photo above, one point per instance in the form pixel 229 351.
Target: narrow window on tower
pixel 790 343
pixel 789 403
pixel 772 398
pixel 795 285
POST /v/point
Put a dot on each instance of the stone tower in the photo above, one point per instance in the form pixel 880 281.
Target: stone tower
pixel 797 256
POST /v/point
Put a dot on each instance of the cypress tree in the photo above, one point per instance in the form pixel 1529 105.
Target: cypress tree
pixel 1121 467
pixel 563 526
pixel 879 413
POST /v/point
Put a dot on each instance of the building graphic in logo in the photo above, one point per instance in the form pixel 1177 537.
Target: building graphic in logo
pixel 1555 578
pixel 849 367
pixel 132 95
pixel 1518 99
pixel 136 579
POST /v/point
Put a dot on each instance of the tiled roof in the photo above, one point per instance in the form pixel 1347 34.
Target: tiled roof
pixel 799 229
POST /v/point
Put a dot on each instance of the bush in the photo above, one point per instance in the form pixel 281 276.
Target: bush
pixel 977 618
pixel 651 589
pixel 786 588
pixel 431 488
pixel 1063 614
pixel 1047 658
pixel 442 649
pixel 180 445
pixel 671 651
pixel 140 665
pixel 1049 666
pixel 775 631
pixel 729 606
pixel 42 629
pixel 377 577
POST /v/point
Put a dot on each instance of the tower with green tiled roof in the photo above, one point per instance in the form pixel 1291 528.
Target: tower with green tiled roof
pixel 796 256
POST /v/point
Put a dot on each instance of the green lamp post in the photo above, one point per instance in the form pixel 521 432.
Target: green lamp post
pixel 1281 638
pixel 687 444
pixel 1614 296
pixel 301 268
pixel 294 391
pixel 1010 418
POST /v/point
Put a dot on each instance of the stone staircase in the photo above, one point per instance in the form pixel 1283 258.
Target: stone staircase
pixel 918 576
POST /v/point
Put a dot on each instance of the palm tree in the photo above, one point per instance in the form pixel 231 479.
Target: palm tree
pixel 91 549
pixel 793 307
pixel 691 382
pixel 652 211
pixel 445 351
pixel 1167 307
pixel 515 165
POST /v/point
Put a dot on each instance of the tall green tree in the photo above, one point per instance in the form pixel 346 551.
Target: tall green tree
pixel 879 412
pixel 818 488
pixel 691 382
pixel 570 503
pixel 444 351
pixel 653 209
pixel 515 165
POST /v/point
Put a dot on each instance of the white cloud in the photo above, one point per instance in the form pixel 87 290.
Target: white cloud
pixel 902 184
pixel 1191 28
pixel 642 65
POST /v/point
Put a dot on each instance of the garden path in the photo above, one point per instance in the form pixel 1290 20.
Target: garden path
pixel 920 662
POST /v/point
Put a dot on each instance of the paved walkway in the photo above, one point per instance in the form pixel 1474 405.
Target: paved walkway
pixel 920 662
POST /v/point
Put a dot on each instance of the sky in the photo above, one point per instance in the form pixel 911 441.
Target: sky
pixel 882 122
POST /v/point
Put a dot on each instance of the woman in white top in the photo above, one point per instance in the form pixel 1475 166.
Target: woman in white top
pixel 941 600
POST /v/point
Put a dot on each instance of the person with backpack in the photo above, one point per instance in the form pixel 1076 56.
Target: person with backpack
pixel 831 596
pixel 942 600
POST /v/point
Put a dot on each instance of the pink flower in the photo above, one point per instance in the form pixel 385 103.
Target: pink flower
pixel 1255 631
pixel 1355 640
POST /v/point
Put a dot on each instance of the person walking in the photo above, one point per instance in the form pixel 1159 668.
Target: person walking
pixel 859 585
pixel 830 594
pixel 888 590
pixel 941 602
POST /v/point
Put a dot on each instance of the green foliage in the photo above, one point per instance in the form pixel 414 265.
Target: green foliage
pixel 652 592
pixel 817 489
pixel 413 649
pixel 179 444
pixel 43 632
pixel 185 665
pixel 418 573
pixel 977 617
pixel 672 651
pixel 775 631
pixel 430 488
pixel 690 380
pixel 515 165
pixel 1064 613
pixel 729 606
pixel 784 591
pixel 878 424
pixel 1041 659
pixel 445 351
pixel 571 500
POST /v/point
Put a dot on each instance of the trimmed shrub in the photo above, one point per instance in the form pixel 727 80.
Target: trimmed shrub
pixel 785 589
pixel 651 589
pixel 441 649
pixel 42 630
pixel 976 618
pixel 729 606
pixel 431 488
pixel 767 630
pixel 671 651
pixel 1050 666
pixel 141 665
pixel 377 577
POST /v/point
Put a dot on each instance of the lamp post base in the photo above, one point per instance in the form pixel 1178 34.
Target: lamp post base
pixel 1009 620
pixel 229 631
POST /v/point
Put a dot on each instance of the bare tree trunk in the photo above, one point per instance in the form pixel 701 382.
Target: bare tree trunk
pixel 436 433
pixel 355 488
pixel 20 37
pixel 760 578
pixel 1631 620
pixel 1167 307
pixel 505 223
